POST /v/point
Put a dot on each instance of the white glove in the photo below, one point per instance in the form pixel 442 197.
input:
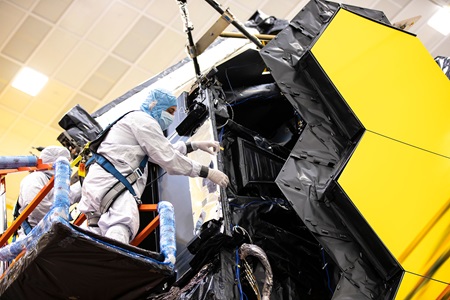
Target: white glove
pixel 218 177
pixel 205 146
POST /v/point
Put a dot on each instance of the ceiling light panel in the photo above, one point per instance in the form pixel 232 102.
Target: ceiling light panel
pixel 440 21
pixel 29 81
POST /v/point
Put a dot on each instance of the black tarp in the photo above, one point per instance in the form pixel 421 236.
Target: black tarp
pixel 69 263
pixel 444 64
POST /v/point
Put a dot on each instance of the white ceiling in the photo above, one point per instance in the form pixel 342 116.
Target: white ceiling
pixel 95 50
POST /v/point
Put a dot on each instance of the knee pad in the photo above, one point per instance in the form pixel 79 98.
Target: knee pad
pixel 119 233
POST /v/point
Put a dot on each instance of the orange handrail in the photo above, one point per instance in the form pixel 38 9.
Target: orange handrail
pixel 144 232
pixel 37 199
pixel 39 167
pixel 148 207
pixel 150 226
pixel 78 221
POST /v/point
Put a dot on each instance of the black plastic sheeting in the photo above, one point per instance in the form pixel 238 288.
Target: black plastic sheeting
pixel 266 24
pixel 215 280
pixel 367 270
pixel 259 215
pixel 301 268
pixel 80 128
pixel 294 254
pixel 70 263
pixel 444 64
pixel 252 169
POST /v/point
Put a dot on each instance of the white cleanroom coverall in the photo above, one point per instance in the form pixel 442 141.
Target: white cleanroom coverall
pixel 32 184
pixel 137 134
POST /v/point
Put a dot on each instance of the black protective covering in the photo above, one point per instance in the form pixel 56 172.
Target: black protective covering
pixel 301 268
pixel 444 64
pixel 257 138
pixel 266 24
pixel 255 168
pixel 80 128
pixel 70 263
pixel 215 280
pixel 308 179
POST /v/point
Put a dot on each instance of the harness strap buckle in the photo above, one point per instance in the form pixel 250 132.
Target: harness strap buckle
pixel 138 172
pixel 138 200
pixel 92 219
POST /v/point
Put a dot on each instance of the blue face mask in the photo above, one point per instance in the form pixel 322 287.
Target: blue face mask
pixel 165 120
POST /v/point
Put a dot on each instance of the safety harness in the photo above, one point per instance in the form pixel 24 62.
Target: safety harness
pixel 25 225
pixel 124 182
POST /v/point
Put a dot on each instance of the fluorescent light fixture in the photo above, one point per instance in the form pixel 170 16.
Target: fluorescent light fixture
pixel 29 81
pixel 440 21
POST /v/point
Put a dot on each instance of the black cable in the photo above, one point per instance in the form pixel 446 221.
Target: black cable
pixel 151 182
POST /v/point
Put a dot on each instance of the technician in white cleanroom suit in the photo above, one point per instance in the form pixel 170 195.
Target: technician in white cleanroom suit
pixel 137 134
pixel 32 184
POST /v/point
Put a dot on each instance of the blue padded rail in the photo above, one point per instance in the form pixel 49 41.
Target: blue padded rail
pixel 14 162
